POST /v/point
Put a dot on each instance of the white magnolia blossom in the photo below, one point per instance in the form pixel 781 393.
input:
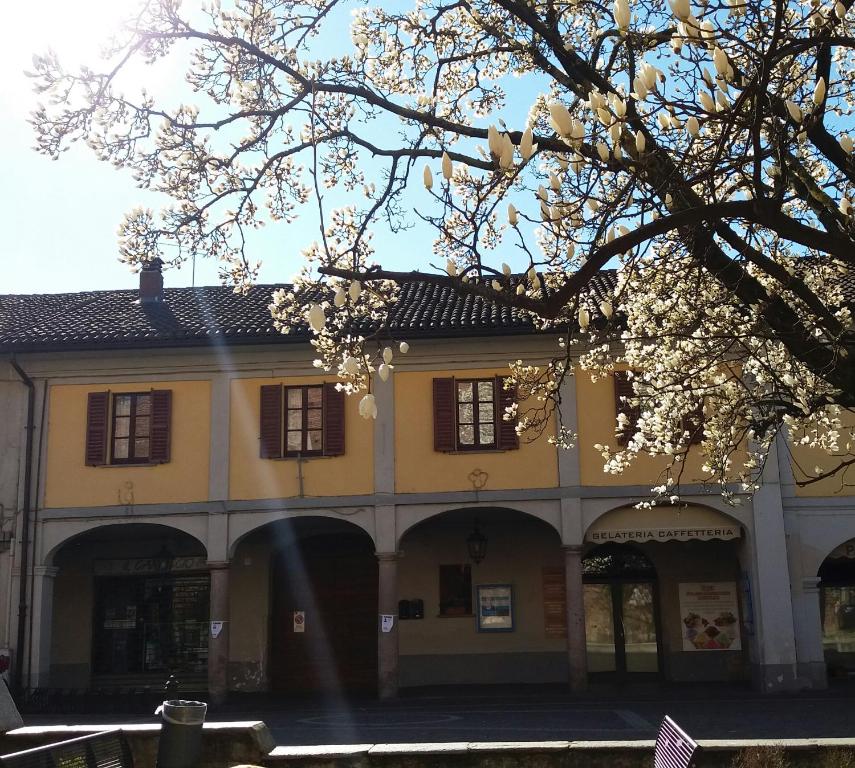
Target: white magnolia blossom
pixel 712 167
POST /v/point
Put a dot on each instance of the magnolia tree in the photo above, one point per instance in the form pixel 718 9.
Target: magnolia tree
pixel 703 149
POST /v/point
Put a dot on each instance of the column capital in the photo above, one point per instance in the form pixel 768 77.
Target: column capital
pixel 811 584
pixel 572 549
pixel 46 571
pixel 387 556
pixel 218 565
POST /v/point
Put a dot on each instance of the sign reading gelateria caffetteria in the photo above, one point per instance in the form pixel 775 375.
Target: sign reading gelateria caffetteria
pixel 145 566
pixel 665 534
pixel 665 523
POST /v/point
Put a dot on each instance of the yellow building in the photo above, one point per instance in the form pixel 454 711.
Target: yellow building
pixel 186 491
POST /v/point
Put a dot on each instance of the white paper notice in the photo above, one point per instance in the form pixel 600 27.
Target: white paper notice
pixel 216 628
pixel 299 621
pixel 387 621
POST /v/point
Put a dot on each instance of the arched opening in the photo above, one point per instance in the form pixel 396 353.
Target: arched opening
pixel 316 579
pixel 470 623
pixel 837 609
pixel 130 607
pixel 621 611
pixel 665 596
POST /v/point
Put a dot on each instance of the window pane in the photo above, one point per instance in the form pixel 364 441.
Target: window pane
pixel 455 590
pixel 464 413
pixel 464 391
pixel 141 448
pixel 485 434
pixel 313 440
pixel 467 434
pixel 122 427
pixel 295 441
pixel 295 419
pixel 120 449
pixel 486 413
pixel 141 426
pixel 485 390
pixel 123 405
pixel 314 395
pixel 295 398
pixel 143 405
pixel 314 419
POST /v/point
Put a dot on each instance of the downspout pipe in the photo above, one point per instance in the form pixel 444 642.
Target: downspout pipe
pixel 25 526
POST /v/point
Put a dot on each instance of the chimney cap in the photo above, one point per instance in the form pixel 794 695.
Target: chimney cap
pixel 152 265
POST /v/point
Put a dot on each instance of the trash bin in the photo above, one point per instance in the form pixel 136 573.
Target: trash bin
pixel 180 733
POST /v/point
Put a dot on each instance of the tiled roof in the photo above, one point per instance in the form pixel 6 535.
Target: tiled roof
pixel 201 316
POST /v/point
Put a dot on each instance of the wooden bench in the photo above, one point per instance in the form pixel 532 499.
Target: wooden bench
pixel 674 747
pixel 106 749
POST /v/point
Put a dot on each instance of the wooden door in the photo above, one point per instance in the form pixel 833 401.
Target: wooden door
pixel 333 580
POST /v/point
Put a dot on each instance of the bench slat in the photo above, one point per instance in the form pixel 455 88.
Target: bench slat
pixel 674 747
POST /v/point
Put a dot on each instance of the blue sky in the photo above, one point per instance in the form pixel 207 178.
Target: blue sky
pixel 60 218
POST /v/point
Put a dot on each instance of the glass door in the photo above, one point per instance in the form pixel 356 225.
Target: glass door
pixel 620 628
pixel 600 628
pixel 640 646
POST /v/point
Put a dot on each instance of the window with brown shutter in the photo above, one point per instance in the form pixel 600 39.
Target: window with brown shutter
pixel 691 423
pixel 128 427
pixel 468 415
pixel 455 590
pixel 333 421
pixel 271 421
pixel 161 426
pixel 554 602
pixel 303 420
pixel 624 391
pixel 97 428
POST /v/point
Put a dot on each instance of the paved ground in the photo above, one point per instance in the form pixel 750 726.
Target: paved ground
pixel 532 713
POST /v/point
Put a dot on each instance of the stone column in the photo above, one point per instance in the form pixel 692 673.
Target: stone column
pixel 39 672
pixel 218 647
pixel 387 642
pixel 811 656
pixel 577 657
pixel 774 662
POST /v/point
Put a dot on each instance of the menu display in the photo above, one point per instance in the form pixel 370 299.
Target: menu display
pixel 709 613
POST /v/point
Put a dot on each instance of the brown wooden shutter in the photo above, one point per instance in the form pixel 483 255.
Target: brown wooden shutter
pixel 444 403
pixel 97 428
pixel 554 602
pixel 333 421
pixel 693 423
pixel 623 389
pixel 507 438
pixel 161 425
pixel 271 421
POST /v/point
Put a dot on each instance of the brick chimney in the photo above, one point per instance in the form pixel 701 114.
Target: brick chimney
pixel 151 281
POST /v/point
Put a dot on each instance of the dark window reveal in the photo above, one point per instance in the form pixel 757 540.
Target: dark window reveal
pixel 131 428
pixel 455 590
pixel 304 420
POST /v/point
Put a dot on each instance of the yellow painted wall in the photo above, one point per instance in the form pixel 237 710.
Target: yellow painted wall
pixel 418 468
pixel 251 477
pixel 842 484
pixel 595 403
pixel 249 608
pixel 518 550
pixel 70 483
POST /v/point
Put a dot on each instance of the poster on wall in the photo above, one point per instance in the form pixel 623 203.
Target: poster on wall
pixel 495 608
pixel 709 612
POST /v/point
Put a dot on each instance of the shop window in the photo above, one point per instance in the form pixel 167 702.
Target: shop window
pixel 837 612
pixel 128 427
pixel 151 624
pixel 303 420
pixel 469 415
pixel 455 590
